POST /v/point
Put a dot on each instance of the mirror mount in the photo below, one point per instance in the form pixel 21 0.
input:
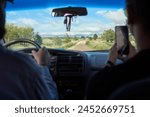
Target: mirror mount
pixel 68 20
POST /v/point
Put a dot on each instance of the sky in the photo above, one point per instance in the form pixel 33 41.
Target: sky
pixel 97 20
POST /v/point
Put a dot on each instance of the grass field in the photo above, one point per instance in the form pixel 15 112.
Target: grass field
pixel 80 44
pixel 72 44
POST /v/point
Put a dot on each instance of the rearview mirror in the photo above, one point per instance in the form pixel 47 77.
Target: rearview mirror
pixel 69 13
pixel 75 11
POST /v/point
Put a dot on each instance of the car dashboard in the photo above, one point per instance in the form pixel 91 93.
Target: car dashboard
pixel 72 70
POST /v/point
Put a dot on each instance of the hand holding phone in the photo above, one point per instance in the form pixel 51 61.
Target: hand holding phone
pixel 122 48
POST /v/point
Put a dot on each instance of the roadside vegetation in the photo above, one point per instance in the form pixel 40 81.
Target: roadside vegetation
pixel 102 41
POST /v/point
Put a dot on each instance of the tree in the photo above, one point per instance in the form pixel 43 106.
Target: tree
pixel 38 39
pixel 90 38
pixel 27 32
pixel 17 32
pixel 108 35
pixel 76 38
pixel 82 37
pixel 95 36
pixel 57 41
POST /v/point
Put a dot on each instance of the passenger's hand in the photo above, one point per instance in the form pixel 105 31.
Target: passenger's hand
pixel 132 53
pixel 42 56
pixel 113 54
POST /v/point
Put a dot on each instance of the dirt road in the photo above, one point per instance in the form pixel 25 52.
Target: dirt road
pixel 81 45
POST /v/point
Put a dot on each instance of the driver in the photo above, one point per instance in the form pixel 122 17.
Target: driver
pixel 20 76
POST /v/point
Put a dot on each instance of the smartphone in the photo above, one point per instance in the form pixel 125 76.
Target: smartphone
pixel 122 39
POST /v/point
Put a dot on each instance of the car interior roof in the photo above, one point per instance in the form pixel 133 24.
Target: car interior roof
pixel 33 4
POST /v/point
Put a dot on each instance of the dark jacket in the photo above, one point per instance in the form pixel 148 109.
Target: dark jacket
pixel 21 78
pixel 103 84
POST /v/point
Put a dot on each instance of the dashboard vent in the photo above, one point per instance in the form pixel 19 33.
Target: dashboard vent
pixel 70 65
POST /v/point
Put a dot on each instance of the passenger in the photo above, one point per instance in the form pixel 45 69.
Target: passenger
pixel 20 76
pixel 107 81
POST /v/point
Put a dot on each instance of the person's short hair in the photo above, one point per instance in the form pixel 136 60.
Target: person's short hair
pixel 9 0
pixel 140 9
pixel 2 19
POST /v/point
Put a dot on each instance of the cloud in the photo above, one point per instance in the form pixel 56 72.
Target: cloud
pixel 27 22
pixel 11 13
pixel 92 25
pixel 85 27
pixel 43 23
pixel 116 16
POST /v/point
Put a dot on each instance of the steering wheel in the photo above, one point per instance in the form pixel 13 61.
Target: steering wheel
pixel 26 50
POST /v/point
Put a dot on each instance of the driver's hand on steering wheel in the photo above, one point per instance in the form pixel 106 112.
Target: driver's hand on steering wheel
pixel 113 54
pixel 42 56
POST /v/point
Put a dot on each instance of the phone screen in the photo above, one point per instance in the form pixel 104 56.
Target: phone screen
pixel 122 39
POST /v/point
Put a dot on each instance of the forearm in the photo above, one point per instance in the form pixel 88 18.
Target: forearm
pixel 48 79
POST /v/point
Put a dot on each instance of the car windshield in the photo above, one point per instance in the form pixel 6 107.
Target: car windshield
pixel 96 31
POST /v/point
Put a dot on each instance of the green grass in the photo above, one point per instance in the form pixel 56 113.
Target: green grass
pixel 99 45
pixel 66 44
